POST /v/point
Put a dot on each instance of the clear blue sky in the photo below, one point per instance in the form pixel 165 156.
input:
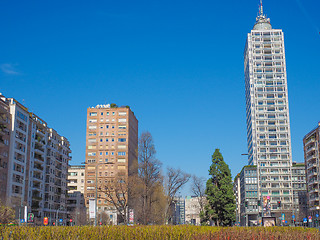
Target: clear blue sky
pixel 178 64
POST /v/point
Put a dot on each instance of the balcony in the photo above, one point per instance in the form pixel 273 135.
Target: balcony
pixel 37 177
pixel 309 141
pixel 38 157
pixel 311 149
pixel 313 181
pixel 315 190
pixel 40 131
pixel 40 140
pixel 37 147
pixel 310 157
pixel 312 165
pixel 38 167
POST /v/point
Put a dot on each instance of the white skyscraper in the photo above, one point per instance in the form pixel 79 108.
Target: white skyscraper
pixel 267 110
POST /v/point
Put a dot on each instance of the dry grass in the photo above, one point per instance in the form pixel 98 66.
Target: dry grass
pixel 158 232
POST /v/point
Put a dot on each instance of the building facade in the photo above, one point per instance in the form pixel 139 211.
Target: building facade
pixel 192 210
pixel 111 151
pixel 179 211
pixel 248 203
pixel 267 111
pixel 311 147
pixel 75 201
pixel 5 123
pixel 299 187
pixel 237 194
pixel 37 164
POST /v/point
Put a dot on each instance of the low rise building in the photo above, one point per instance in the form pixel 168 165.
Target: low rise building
pixel 311 143
pixel 192 210
pixel 300 207
pixel 76 201
pixel 249 209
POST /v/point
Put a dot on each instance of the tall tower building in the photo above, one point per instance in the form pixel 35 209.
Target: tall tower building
pixel 111 148
pixel 267 111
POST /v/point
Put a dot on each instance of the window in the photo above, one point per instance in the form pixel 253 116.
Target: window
pixel 122 120
pixel 91 153
pixel 102 114
pixel 121 139
pixel 121 153
pixel 22 116
pixel 93 114
pixel 106 153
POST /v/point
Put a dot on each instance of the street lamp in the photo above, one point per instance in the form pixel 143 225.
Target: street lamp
pixel 57 213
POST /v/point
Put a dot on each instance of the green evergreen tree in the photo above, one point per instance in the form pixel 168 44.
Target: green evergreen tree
pixel 220 207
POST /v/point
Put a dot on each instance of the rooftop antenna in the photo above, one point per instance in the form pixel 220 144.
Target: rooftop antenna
pixel 261 8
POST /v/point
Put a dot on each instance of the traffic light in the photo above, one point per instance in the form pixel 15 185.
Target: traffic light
pixel 279 204
pixel 246 204
pixel 70 220
pixel 259 203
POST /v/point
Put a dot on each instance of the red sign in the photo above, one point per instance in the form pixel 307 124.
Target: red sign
pixel 45 221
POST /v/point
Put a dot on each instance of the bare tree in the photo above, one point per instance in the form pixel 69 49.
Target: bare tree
pixel 198 188
pixel 104 219
pixel 116 193
pixel 148 183
pixel 7 214
pixel 175 179
pixel 79 216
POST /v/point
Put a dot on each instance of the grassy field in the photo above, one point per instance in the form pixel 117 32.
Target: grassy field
pixel 158 232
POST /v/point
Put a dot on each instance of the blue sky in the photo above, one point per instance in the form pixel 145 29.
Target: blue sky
pixel 178 64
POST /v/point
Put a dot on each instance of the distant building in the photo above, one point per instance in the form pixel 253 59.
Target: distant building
pixel 76 201
pixel 237 193
pixel 76 179
pixel 248 196
pixel 179 211
pixel 111 150
pixel 311 145
pixel 192 210
pixel 300 209
pixel 36 165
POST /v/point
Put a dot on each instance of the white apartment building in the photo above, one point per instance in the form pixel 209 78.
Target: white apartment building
pixel 267 111
pixel 37 166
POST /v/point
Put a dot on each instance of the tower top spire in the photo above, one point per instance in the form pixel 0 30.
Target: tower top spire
pixel 262 22
pixel 261 8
